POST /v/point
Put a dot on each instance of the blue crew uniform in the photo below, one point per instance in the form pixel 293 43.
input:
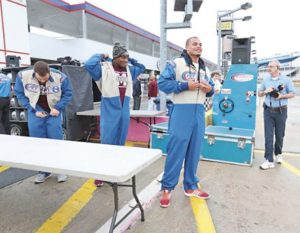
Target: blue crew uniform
pixel 4 103
pixel 58 94
pixel 115 112
pixel 187 120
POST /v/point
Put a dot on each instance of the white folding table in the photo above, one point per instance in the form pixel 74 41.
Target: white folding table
pixel 133 113
pixel 112 164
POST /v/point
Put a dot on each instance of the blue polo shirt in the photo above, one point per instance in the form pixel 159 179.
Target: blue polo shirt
pixel 274 83
pixel 4 86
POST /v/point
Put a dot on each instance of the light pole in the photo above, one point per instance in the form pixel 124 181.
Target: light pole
pixel 220 16
pixel 186 6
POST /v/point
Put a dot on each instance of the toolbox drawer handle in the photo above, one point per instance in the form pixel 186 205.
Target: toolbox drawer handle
pixel 211 139
pixel 241 143
pixel 160 136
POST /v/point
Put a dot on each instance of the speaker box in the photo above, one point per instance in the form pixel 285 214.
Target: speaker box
pixel 12 61
pixel 241 51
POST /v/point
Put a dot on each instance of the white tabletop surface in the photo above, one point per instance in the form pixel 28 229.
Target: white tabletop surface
pixel 88 160
pixel 133 113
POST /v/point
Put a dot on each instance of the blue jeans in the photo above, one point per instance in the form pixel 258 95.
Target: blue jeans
pixel 274 122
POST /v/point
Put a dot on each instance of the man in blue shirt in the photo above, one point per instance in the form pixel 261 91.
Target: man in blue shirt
pixel 4 104
pixel 277 89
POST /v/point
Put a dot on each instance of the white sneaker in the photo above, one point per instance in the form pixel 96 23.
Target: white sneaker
pixel 61 178
pixel 40 178
pixel 278 159
pixel 267 165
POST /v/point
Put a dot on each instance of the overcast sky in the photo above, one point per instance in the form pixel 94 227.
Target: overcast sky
pixel 274 23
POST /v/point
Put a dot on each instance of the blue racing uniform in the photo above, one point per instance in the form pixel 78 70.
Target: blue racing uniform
pixel 4 103
pixel 187 120
pixel 58 94
pixel 115 115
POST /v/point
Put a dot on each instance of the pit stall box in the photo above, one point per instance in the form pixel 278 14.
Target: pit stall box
pixel 159 136
pixel 231 137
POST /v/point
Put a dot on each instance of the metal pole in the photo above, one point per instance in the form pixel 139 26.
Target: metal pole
pixel 127 39
pixel 84 25
pixel 219 43
pixel 163 47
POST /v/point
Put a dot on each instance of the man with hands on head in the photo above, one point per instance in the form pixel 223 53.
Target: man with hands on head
pixel 45 93
pixel 114 79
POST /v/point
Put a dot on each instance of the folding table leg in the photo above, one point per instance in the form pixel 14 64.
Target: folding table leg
pixel 137 199
pixel 116 201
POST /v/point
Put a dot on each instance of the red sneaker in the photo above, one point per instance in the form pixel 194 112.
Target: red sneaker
pixel 196 193
pixel 98 183
pixel 165 198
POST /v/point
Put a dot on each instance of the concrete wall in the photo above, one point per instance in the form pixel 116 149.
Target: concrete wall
pixel 14 38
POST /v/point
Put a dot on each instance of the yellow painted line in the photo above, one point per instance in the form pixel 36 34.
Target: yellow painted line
pixel 285 164
pixel 291 168
pixel 136 144
pixel 63 216
pixel 3 168
pixel 202 216
pixel 287 154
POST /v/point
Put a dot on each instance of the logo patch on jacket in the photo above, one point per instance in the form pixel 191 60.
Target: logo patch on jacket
pixel 32 87
pixel 35 88
pixel 188 75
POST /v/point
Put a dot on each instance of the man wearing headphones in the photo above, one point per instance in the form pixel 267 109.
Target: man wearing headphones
pixel 277 89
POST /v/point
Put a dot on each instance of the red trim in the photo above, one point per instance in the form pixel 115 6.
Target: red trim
pixel 3 30
pixel 11 51
pixel 17 3
pixel 62 8
pixel 120 26
pixel 1 62
pixel 171 45
pixel 52 4
pixel 72 4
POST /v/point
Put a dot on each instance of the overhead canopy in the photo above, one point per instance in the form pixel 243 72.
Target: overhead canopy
pixel 281 59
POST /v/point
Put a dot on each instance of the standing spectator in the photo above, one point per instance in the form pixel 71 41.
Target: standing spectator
pixel 115 79
pixel 216 77
pixel 277 89
pixel 152 93
pixel 4 104
pixel 45 93
pixel 136 94
pixel 188 79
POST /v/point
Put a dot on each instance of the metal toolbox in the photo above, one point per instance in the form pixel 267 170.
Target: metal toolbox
pixel 228 145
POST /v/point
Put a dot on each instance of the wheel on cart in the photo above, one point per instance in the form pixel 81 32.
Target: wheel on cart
pixel 16 130
pixel 65 134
